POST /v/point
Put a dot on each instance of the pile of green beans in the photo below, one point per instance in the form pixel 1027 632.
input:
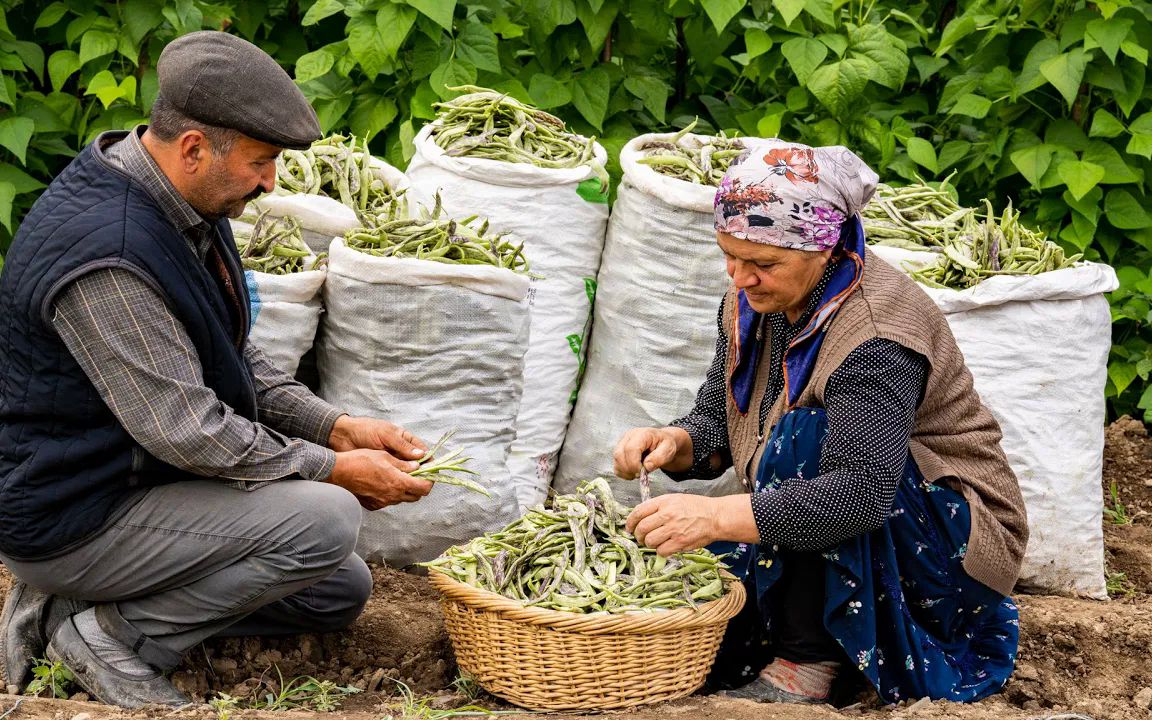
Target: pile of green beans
pixel 696 160
pixel 275 246
pixel 443 469
pixel 577 557
pixel 337 168
pixel 992 246
pixel 439 239
pixel 488 124
pixel 916 217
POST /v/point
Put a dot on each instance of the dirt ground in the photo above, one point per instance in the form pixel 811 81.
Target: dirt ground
pixel 1078 658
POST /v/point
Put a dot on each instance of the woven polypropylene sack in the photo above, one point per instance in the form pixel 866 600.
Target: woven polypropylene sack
pixel 561 216
pixel 431 347
pixel 1038 348
pixel 661 282
pixel 286 311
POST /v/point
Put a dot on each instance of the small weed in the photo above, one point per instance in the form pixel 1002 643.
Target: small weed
pixel 299 693
pixel 1118 585
pixel 50 677
pixel 224 704
pixel 413 708
pixel 1117 513
pixel 468 687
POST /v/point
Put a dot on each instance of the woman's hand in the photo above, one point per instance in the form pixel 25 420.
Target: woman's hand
pixel 678 522
pixel 668 448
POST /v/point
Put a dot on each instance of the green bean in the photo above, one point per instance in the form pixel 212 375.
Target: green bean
pixel 431 237
pixel 338 168
pixel 971 245
pixel 275 246
pixel 446 468
pixel 576 557
pixel 694 159
pixel 491 125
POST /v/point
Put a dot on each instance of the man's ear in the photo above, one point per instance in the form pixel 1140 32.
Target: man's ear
pixel 194 151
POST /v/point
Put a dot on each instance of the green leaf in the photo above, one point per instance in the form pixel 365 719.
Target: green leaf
pixel 51 15
pixel 140 17
pixel 821 10
pixel 1135 77
pixel 371 115
pixel 20 180
pixel 1116 171
pixel 61 66
pixel 971 105
pixel 922 153
pixel 757 42
pixel 1107 35
pixel 1065 71
pixel 322 9
pixel 887 53
pixel 1105 124
pixel 840 84
pixel 1126 212
pixel 953 152
pixel 505 28
pixel 955 31
pixel 590 95
pixel 836 43
pixel 97 43
pixel 477 44
pixel 1066 134
pixel 1080 176
pixel 927 65
pixel 15 132
pixel 1033 162
pixel 330 112
pixel 1136 51
pixel 547 15
pixel 1030 77
pixel 1145 401
pixel 439 11
pixel 31 54
pixel 394 22
pixel 721 12
pixel 789 9
pixel 652 91
pixel 7 195
pixel 1140 144
pixel 1121 374
pixel 769 125
pixel 804 55
pixel 452 73
pixel 598 24
pixel 547 92
pixel 310 66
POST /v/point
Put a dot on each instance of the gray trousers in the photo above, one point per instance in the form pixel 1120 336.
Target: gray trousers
pixel 198 559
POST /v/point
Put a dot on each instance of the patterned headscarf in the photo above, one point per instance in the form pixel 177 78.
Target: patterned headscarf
pixel 792 195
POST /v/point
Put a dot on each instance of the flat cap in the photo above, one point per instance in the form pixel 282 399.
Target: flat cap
pixel 226 81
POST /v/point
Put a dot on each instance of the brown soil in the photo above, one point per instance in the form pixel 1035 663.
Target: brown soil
pixel 1076 656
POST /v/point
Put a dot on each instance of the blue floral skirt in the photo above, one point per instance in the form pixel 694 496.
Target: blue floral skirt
pixel 897 600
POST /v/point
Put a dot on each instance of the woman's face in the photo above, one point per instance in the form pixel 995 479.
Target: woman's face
pixel 774 279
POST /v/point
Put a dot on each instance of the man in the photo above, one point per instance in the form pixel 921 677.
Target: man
pixel 160 481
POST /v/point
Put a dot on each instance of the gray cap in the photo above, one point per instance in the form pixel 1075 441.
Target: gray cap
pixel 226 81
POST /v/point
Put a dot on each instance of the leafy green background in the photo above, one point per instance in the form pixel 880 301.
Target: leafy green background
pixel 1042 102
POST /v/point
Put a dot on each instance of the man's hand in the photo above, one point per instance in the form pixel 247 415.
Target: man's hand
pixel 674 523
pixel 669 448
pixel 363 433
pixel 378 479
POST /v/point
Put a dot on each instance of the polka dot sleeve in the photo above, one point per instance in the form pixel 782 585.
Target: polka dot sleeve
pixel 871 402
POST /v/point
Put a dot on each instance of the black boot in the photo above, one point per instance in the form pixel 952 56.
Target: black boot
pixel 29 619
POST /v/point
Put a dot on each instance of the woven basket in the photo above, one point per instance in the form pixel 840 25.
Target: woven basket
pixel 551 660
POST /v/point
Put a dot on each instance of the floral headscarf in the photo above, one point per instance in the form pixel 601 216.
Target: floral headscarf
pixel 792 195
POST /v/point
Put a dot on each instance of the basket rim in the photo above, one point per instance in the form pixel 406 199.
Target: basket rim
pixel 711 613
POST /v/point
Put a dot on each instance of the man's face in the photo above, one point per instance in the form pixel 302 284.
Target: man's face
pixel 231 181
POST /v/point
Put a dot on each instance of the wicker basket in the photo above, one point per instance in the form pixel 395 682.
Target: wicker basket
pixel 550 660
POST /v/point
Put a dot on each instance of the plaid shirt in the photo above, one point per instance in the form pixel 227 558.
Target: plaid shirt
pixel 144 366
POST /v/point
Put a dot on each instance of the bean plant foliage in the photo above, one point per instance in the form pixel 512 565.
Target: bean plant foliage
pixel 1044 102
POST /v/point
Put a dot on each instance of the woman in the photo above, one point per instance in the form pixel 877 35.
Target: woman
pixel 884 528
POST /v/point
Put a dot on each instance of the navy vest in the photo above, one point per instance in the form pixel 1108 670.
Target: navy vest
pixel 67 466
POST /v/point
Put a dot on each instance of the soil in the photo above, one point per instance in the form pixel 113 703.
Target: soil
pixel 1078 658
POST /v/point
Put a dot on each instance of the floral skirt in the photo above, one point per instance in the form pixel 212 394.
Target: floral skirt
pixel 896 600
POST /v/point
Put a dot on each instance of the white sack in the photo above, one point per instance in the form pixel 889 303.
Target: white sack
pixel 561 218
pixel 1038 348
pixel 431 347
pixel 661 282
